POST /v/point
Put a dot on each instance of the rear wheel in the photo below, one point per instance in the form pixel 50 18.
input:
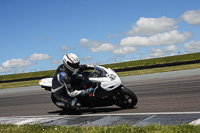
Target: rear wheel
pixel 126 99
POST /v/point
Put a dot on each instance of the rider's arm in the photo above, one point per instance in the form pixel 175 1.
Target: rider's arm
pixel 66 80
pixel 86 67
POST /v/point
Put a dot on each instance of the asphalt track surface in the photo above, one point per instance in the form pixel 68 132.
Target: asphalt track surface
pixel 157 93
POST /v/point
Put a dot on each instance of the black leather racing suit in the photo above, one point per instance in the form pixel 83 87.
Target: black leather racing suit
pixel 61 85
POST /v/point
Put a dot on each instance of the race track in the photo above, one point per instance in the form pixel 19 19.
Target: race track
pixel 176 93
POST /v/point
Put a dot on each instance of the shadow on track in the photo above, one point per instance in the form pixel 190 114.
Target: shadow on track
pixel 87 111
pixel 82 111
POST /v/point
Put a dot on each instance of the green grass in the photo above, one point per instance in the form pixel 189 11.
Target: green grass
pixel 38 128
pixel 19 84
pixel 159 70
pixel 27 75
pixel 163 60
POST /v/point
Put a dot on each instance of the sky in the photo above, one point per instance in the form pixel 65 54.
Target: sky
pixel 35 34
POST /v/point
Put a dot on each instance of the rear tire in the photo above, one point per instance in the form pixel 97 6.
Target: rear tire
pixel 126 99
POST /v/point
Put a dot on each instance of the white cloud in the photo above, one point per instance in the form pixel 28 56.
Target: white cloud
pixel 3 70
pixel 16 63
pixel 170 48
pixel 125 50
pixel 192 17
pixel 172 37
pixel 154 31
pixel 64 48
pixel 12 64
pixel 37 56
pixel 56 61
pixel 150 26
pixel 96 46
pixel 192 46
pixel 103 47
pixel 85 42
pixel 156 52
pixel 163 52
pixel 19 65
pixel 87 58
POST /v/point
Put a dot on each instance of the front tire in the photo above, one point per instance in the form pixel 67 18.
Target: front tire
pixel 125 98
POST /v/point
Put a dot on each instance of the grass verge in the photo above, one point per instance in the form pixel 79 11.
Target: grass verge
pixel 27 75
pixel 154 61
pixel 19 84
pixel 126 73
pixel 158 70
pixel 38 128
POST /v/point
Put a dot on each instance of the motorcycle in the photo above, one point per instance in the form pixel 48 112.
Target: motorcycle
pixel 108 89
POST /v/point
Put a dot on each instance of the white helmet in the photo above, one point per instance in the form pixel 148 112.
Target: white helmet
pixel 71 61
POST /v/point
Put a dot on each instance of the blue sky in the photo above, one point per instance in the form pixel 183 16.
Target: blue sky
pixel 35 34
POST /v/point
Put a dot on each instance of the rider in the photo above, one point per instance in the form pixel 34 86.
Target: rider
pixel 62 81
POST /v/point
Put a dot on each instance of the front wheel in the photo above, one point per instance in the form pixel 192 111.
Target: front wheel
pixel 125 98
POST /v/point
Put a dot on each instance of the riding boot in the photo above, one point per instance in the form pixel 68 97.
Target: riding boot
pixel 75 104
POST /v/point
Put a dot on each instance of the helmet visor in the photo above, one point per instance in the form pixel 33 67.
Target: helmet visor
pixel 73 65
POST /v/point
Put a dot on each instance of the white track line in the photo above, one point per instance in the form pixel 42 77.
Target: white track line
pixel 27 121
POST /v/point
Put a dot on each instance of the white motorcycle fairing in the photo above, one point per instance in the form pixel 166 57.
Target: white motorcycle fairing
pixel 46 83
pixel 110 82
